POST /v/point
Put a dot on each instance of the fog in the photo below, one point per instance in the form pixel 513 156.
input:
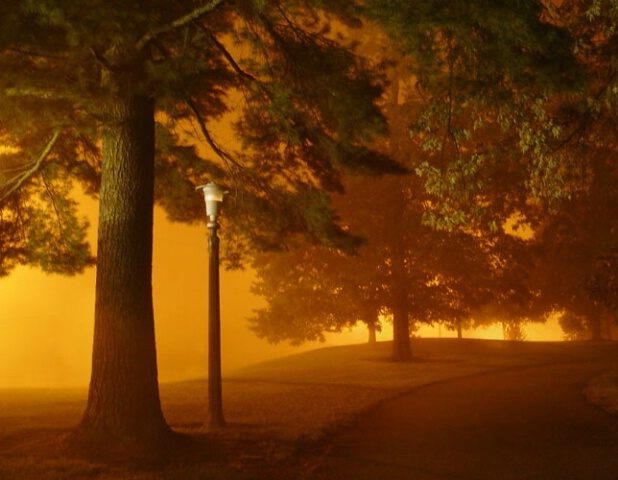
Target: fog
pixel 46 321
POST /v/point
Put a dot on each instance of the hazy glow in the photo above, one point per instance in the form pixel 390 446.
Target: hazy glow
pixel 46 322
pixel 535 332
pixel 46 327
pixel 8 149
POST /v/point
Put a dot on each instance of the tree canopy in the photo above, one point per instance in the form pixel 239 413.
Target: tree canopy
pixel 125 100
pixel 128 96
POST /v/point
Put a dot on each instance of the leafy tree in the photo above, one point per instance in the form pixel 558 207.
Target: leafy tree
pixel 576 244
pixel 473 89
pixel 574 248
pixel 120 88
pixel 408 256
pixel 487 74
pixel 38 220
pixel 602 284
pixel 311 290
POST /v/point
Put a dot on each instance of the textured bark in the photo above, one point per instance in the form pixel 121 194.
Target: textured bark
pixel 401 322
pixel 123 410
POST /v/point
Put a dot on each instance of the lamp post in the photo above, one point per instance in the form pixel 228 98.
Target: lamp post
pixel 213 196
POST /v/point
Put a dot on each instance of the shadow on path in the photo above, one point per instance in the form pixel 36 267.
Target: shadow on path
pixel 532 423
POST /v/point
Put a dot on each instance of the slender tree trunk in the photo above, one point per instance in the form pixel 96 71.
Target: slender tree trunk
pixel 123 410
pixel 372 330
pixel 459 330
pixel 401 335
pixel 594 322
pixel 401 322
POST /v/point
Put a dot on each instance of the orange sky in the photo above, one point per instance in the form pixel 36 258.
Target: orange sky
pixel 46 322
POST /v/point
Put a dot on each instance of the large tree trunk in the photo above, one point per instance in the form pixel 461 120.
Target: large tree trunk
pixel 123 412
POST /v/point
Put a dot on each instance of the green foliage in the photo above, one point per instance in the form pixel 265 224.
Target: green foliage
pixel 308 294
pixel 304 105
pixel 486 75
pixel 577 243
pixel 43 230
pixel 446 277
pixel 575 248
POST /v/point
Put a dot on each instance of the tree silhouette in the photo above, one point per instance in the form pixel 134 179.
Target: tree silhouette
pixel 576 243
pixel 119 89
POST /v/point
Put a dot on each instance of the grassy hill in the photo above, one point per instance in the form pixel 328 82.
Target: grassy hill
pixel 273 408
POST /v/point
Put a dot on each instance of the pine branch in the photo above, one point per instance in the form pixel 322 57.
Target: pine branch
pixel 52 199
pixel 178 23
pixel 230 59
pixel 226 157
pixel 19 180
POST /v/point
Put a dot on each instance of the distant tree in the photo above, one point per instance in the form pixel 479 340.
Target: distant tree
pixel 572 246
pixel 602 284
pixel 119 88
pixel 446 277
pixel 312 290
pixel 375 280
pixel 423 67
pixel 514 299
pixel 593 140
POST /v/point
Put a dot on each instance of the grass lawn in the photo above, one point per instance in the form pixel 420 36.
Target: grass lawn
pixel 278 412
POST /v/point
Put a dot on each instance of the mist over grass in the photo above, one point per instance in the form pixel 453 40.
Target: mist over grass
pixel 272 408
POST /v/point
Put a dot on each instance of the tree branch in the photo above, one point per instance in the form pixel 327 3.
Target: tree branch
pixel 178 23
pixel 226 157
pixel 20 179
pixel 230 59
pixel 52 199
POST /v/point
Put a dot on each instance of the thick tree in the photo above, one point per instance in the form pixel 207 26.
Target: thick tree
pixel 98 74
pixel 134 82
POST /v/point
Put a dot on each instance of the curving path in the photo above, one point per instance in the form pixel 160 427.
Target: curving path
pixel 530 423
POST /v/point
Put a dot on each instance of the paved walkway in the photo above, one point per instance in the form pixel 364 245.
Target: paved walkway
pixel 532 423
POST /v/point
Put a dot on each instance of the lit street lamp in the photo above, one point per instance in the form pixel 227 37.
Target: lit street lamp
pixel 213 196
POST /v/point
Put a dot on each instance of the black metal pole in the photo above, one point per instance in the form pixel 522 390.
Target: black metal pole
pixel 215 396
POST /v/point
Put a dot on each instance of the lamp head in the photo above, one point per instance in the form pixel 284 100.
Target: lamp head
pixel 213 196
